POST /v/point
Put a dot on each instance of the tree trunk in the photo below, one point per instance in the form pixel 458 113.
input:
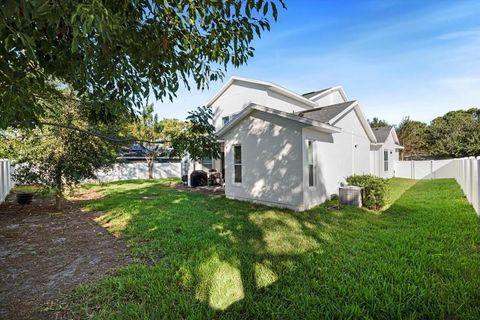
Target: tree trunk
pixel 150 161
pixel 59 201
pixel 58 190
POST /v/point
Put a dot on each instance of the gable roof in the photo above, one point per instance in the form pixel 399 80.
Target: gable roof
pixel 382 133
pixel 327 113
pixel 268 85
pixel 325 127
pixel 308 95
pixel 331 114
pixel 315 95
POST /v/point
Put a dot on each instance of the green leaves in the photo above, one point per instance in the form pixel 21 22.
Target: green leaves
pixel 55 156
pixel 413 137
pixel 455 134
pixel 198 140
pixel 376 190
pixel 114 52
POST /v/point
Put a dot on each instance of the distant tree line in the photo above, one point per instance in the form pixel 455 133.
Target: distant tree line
pixel 453 135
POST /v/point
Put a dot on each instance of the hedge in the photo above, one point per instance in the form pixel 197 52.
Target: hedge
pixel 375 191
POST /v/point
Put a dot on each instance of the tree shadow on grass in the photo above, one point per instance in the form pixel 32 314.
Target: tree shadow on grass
pixel 214 257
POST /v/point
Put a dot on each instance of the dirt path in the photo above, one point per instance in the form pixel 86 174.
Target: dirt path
pixel 45 254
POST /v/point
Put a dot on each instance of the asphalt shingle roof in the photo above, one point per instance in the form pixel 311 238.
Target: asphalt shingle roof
pixel 381 133
pixel 326 113
pixel 308 95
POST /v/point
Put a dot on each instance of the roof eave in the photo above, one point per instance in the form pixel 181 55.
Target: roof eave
pixel 316 125
pixel 293 95
pixel 328 91
pixel 362 118
pixel 268 85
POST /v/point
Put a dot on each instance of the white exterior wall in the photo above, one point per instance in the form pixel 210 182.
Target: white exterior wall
pixel 336 158
pixel 333 97
pixel 377 160
pixel 275 165
pixel 240 94
pixel 271 161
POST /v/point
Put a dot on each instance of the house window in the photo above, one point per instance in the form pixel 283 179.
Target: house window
pixel 225 120
pixel 207 163
pixel 385 160
pixel 237 163
pixel 311 173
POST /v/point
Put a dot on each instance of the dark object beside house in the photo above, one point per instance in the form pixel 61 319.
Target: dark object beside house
pixel 24 197
pixel 185 179
pixel 198 178
pixel 214 177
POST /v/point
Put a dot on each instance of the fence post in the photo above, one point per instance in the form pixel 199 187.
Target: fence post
pixel 9 175
pixel 413 169
pixel 473 182
pixel 469 179
pixel 431 170
pixel 476 205
pixel 1 181
pixel 473 174
pixel 459 172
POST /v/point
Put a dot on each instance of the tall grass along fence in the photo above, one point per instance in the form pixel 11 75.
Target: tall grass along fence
pixel 466 171
pixel 139 170
pixel 6 182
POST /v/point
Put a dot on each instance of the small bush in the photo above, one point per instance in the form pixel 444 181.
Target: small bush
pixel 375 191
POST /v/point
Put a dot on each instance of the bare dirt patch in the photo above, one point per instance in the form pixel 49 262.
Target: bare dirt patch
pixel 45 254
pixel 210 190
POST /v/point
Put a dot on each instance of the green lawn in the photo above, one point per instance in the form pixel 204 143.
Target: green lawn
pixel 209 257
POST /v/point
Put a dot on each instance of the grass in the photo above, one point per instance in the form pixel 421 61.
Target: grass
pixel 210 257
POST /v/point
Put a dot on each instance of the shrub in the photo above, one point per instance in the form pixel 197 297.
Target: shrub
pixel 375 191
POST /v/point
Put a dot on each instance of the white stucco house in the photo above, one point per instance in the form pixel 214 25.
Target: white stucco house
pixel 385 152
pixel 290 150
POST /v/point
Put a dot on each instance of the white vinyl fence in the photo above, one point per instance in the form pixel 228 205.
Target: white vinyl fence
pixel 468 177
pixel 139 170
pixel 464 170
pixel 6 182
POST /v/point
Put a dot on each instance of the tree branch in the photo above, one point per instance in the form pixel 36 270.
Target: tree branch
pixel 102 135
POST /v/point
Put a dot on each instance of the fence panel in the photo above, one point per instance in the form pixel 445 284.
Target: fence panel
pixel 6 182
pixel 466 171
pixel 139 170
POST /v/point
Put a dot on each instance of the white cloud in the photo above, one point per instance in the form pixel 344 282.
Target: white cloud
pixel 459 34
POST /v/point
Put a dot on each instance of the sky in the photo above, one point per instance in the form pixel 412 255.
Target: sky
pixel 398 58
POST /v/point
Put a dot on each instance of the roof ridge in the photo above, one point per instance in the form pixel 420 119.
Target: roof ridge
pixel 330 105
pixel 310 94
pixel 384 127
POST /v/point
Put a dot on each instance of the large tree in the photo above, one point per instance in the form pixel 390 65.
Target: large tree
pixel 455 134
pixel 414 139
pixel 153 135
pixel 197 140
pixel 56 157
pixel 114 54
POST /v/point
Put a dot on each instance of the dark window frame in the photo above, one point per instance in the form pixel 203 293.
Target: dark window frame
pixel 311 162
pixel 225 120
pixel 385 160
pixel 237 163
pixel 207 162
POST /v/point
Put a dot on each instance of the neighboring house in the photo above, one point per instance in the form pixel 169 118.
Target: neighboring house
pixel 385 152
pixel 288 150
